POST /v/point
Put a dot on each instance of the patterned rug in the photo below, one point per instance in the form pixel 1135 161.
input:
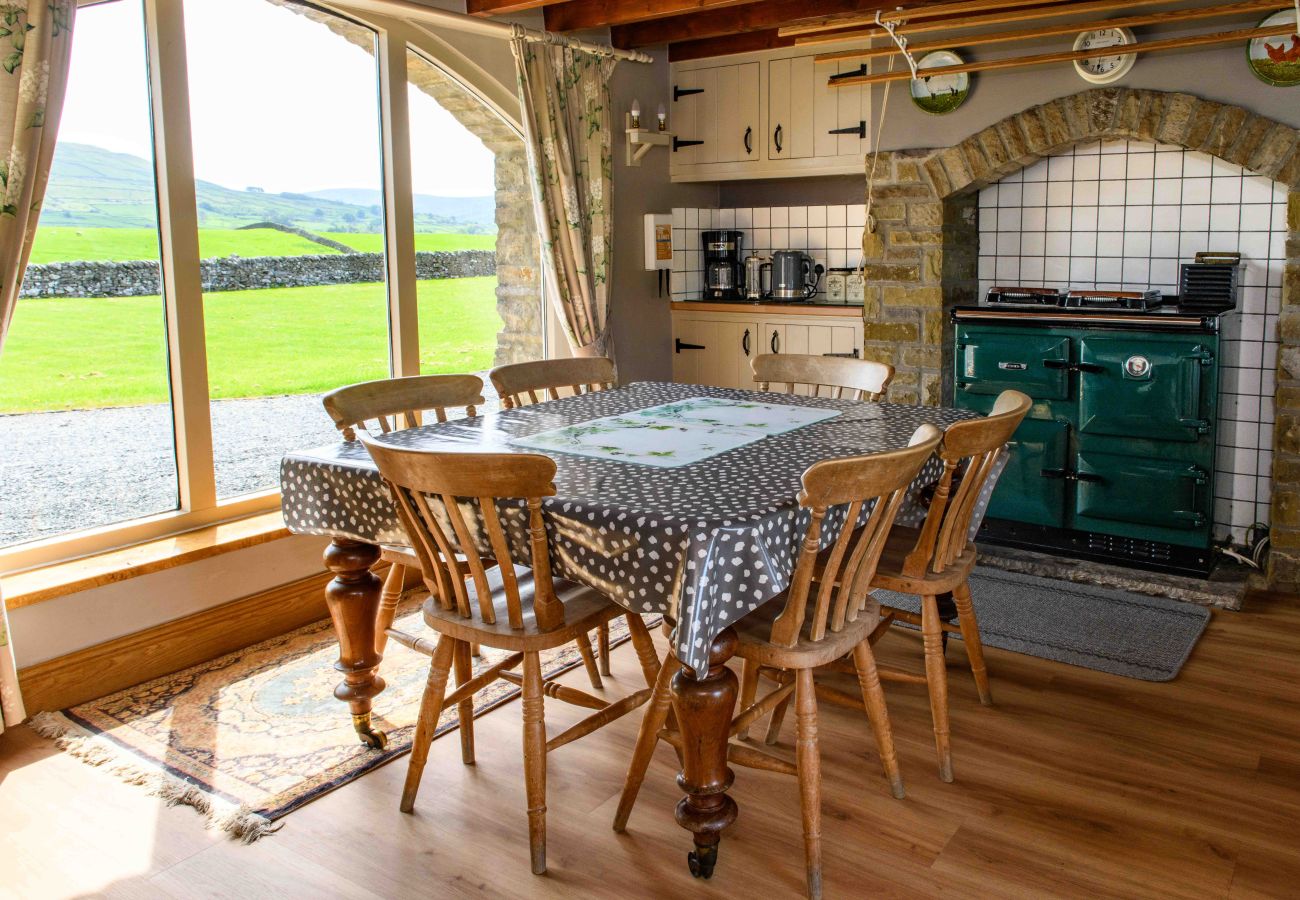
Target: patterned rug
pixel 251 736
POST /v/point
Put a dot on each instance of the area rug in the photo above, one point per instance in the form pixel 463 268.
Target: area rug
pixel 252 736
pixel 1148 638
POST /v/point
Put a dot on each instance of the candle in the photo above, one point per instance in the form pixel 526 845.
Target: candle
pixel 663 118
pixel 636 113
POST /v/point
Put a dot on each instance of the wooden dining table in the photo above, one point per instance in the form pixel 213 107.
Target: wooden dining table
pixel 673 499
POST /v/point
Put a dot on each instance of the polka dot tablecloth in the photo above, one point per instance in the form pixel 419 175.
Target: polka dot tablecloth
pixel 703 543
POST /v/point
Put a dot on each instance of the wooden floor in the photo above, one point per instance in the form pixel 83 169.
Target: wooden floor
pixel 1075 784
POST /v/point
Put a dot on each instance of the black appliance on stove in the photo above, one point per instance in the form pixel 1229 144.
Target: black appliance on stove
pixel 722 264
pixel 1116 460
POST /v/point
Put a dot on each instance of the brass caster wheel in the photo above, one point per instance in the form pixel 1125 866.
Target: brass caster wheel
pixel 375 740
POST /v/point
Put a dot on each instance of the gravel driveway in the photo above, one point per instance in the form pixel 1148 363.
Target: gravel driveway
pixel 69 470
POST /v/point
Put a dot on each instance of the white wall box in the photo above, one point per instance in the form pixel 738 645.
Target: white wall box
pixel 766 115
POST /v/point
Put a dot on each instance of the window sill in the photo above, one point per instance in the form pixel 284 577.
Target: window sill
pixel 60 579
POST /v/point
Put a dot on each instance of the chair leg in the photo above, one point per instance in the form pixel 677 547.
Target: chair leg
pixel 873 698
pixel 656 712
pixel 535 760
pixel 389 595
pixel 583 640
pixel 465 709
pixel 602 638
pixel 475 650
pixel 427 724
pixel 808 761
pixel 970 636
pixel 644 645
pixel 936 678
pixel 748 691
pixel 778 718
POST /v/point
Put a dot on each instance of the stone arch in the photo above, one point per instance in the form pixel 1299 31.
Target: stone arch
pixel 921 261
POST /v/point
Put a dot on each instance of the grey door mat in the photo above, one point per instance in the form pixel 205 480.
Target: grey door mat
pixel 1148 638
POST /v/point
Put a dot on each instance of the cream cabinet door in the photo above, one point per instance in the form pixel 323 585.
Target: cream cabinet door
pixel 812 340
pixel 714 351
pixel 842 115
pixel 737 113
pixel 694 115
pixel 791 83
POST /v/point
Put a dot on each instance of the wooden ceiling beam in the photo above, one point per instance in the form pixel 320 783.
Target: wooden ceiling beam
pixel 576 15
pixel 741 20
pixel 990 15
pixel 748 42
pixel 484 8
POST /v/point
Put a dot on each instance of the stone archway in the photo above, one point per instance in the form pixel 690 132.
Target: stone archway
pixel 922 259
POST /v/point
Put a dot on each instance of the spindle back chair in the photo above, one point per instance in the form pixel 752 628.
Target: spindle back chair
pixel 397 403
pixel 864 379
pixel 456 509
pixel 521 384
pixel 804 629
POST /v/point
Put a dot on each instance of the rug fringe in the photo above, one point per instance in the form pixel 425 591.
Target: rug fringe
pixel 239 822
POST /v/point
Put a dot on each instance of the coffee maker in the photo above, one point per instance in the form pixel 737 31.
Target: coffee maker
pixel 722 265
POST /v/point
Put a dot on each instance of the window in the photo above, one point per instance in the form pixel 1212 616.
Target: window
pixel 85 419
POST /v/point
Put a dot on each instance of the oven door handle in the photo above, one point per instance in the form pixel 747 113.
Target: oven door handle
pixel 1071 475
pixel 1072 367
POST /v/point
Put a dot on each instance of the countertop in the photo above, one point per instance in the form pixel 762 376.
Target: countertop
pixel 772 307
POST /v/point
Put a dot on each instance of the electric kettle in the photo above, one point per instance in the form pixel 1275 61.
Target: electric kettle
pixel 794 275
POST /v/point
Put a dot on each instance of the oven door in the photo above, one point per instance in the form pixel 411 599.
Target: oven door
pixel 991 361
pixel 1032 488
pixel 1142 497
pixel 1154 386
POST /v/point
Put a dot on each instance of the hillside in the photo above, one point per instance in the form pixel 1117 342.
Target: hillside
pixel 94 187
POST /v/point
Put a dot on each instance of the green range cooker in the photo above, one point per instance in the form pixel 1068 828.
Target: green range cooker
pixel 1116 459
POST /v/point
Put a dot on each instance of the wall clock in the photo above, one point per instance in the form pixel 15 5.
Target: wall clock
pixel 1110 67
pixel 939 94
pixel 1276 60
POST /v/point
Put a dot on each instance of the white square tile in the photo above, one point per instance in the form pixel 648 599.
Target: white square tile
pixel 1138 218
pixel 1195 217
pixel 1060 193
pixel 1140 165
pixel 1110 218
pixel 1032 243
pixel 1113 167
pixel 1164 271
pixel 1191 243
pixel 1087 168
pixel 781 238
pixel 988 219
pixel 1256 189
pixel 1111 193
pixel 798 217
pixel 1277 246
pixel 1058 218
pixel 1035 172
pixel 1252 327
pixel 679 217
pixel 1110 243
pixel 798 238
pixel 1008 243
pixel 856 214
pixel 692 283
pixel 989 196
pixel 1009 195
pixel 1167 191
pixel 1008 269
pixel 1224 217
pixel 817 239
pixel 1084 218
pixel 762 238
pixel 1110 269
pixel 1034 219
pixel 851 239
pixel 1221 167
pixel 1196 190
pixel 1137 272
pixel 1256 217
pixel 1169 165
pixel 1056 268
pixel 1010 218
pixel 1058 243
pixel 692 217
pixel 985 266
pixel 1164 218
pixel 836 216
pixel 839 259
pixel 1197 165
pixel 762 217
pixel 1225 190
pixel 1031 269
pixel 744 218
pixel 1060 168
pixel 1137 243
pixel 1253 244
pixel 1083 271
pixel 724 218
pixel 1252 299
pixel 1085 193
pixel 1164 244
pixel 816 217
pixel 1224 241
pixel 1034 193
pixel 1141 192
pixel 1083 243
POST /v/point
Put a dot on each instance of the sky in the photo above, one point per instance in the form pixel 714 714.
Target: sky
pixel 276 101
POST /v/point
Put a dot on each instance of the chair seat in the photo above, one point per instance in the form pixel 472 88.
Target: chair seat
pixel 890 577
pixel 755 630
pixel 584 609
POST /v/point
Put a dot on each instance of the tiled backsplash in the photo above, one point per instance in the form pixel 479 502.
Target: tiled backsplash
pixel 832 235
pixel 1124 215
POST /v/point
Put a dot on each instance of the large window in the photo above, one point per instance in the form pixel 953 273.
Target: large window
pixel 85 419
pixel 155 410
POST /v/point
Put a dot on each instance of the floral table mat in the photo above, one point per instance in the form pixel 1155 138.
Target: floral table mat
pixel 676 434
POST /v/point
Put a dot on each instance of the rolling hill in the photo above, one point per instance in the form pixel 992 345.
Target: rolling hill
pixel 94 187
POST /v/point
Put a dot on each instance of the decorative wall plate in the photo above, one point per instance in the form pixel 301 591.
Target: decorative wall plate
pixel 1276 60
pixel 1110 67
pixel 939 94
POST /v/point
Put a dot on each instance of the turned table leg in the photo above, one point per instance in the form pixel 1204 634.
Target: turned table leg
pixel 353 597
pixel 704 708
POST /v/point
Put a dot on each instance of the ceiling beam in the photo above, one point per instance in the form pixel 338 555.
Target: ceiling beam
pixel 576 15
pixel 503 7
pixel 720 22
pixel 749 42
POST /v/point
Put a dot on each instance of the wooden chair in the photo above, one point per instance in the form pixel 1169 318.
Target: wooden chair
pixel 938 557
pixel 866 380
pixel 520 610
pixel 531 382
pixel 804 629
pixel 522 384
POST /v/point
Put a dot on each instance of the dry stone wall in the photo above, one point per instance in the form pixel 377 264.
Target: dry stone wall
pixel 140 278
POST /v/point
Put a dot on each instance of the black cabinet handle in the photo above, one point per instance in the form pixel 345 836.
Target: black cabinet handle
pixel 680 345
pixel 678 143
pixel 749 140
pixel 859 129
pixel 744 342
pixel 776 138
pixel 776 342
pixel 679 92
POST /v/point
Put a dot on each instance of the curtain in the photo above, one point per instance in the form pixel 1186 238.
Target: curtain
pixel 35 47
pixel 564 97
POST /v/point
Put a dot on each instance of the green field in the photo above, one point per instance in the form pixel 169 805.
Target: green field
pixel 83 353
pixel 56 243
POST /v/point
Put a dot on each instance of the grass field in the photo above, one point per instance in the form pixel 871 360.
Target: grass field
pixel 76 354
pixel 55 243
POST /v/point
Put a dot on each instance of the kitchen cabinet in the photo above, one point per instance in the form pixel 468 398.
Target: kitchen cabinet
pixel 765 115
pixel 716 347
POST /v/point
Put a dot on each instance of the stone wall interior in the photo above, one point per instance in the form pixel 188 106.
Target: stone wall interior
pixel 926 243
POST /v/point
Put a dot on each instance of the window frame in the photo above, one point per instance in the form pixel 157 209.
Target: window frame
pixel 168 85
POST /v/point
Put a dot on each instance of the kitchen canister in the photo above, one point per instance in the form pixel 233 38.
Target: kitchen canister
pixel 855 287
pixel 837 285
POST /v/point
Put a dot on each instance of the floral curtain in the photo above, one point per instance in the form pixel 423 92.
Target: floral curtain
pixel 564 95
pixel 35 47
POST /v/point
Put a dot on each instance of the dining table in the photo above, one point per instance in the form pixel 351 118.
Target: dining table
pixel 677 500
